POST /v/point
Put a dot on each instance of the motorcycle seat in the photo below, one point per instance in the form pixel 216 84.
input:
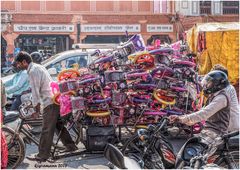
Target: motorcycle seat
pixel 233 142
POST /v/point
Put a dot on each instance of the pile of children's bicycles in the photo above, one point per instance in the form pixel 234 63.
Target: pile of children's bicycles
pixel 131 85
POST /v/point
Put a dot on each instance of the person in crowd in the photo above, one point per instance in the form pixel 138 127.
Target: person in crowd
pixel 16 86
pixel 216 113
pixel 63 65
pixel 4 146
pixel 234 106
pixel 9 60
pixel 3 98
pixel 37 57
pixel 39 80
pixel 4 149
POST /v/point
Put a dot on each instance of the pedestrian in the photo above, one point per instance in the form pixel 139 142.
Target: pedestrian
pixel 40 80
pixel 3 98
pixel 4 149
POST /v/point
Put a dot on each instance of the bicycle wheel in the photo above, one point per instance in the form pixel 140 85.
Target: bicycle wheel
pixel 16 148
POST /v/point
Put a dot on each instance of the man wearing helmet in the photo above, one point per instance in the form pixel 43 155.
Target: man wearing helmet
pixel 234 106
pixel 216 113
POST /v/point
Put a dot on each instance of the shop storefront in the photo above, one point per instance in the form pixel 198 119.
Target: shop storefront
pixel 48 39
pixel 162 38
pixel 37 34
pixel 108 33
pixel 160 32
pixel 45 44
pixel 116 33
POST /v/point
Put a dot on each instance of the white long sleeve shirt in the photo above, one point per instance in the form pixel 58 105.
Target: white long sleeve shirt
pixel 219 102
pixel 39 80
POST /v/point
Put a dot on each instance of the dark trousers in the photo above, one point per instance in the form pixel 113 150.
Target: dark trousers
pixel 50 123
pixel 16 103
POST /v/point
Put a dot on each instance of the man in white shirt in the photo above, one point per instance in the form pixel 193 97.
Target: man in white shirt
pixel 39 80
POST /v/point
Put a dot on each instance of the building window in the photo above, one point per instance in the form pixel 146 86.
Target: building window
pixel 205 7
pixel 184 4
pixel 230 7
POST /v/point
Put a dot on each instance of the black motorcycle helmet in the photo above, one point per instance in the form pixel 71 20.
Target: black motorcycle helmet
pixel 214 81
pixel 36 57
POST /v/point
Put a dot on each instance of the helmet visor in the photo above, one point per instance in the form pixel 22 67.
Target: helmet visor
pixel 207 82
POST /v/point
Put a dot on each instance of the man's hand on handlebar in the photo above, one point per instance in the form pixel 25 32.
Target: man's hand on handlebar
pixel 173 118
pixel 35 115
pixel 37 111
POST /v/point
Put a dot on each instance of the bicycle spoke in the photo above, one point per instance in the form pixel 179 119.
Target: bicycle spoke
pixel 13 155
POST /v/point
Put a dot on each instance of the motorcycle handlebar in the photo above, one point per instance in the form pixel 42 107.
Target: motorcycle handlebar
pixel 164 122
pixel 229 135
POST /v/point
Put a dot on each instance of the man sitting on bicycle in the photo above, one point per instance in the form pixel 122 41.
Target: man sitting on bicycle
pixel 216 113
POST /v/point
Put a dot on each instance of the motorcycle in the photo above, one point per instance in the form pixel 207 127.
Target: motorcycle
pixel 199 153
pixel 148 148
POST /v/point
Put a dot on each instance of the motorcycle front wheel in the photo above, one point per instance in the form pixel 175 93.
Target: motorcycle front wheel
pixel 133 147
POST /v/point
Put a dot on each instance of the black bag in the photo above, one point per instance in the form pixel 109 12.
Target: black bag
pixel 98 137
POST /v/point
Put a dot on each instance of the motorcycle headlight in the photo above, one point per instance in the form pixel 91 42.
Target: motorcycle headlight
pixel 192 150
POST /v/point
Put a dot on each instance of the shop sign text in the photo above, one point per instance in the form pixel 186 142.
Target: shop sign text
pixel 43 28
pixel 110 28
pixel 159 28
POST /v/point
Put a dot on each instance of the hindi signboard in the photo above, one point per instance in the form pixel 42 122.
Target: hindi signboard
pixel 43 28
pixel 110 28
pixel 159 28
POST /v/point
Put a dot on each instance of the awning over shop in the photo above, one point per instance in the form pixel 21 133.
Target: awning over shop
pixel 216 43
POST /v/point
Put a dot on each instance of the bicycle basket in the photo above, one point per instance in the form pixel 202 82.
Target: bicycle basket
pixel 26 110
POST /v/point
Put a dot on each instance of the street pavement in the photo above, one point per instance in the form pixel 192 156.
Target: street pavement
pixel 84 161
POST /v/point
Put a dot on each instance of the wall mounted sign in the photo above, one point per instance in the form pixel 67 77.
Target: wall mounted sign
pixel 43 28
pixel 110 28
pixel 159 28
